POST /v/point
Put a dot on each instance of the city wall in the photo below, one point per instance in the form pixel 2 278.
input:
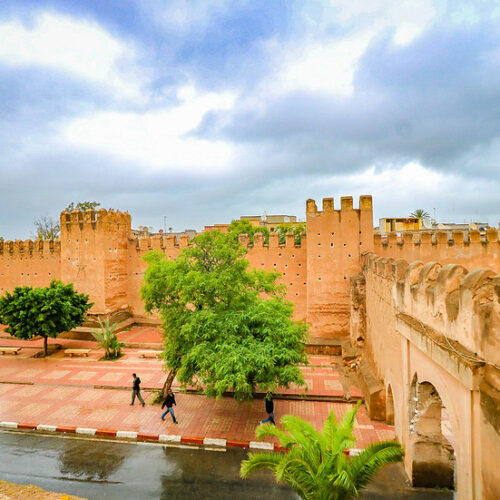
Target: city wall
pixel 429 325
pixel 98 254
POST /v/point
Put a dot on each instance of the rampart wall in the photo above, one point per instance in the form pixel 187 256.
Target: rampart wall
pixel 97 253
pixel 439 324
pixel 33 263
pixel 468 248
pixel 288 259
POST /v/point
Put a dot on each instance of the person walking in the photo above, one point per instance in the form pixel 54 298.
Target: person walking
pixel 136 390
pixel 169 401
pixel 269 409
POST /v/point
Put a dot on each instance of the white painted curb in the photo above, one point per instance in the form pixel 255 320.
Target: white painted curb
pixel 126 434
pixel 45 427
pixel 169 438
pixel 85 430
pixel 9 425
pixel 259 445
pixel 214 442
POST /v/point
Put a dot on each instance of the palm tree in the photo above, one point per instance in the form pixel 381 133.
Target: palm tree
pixel 315 464
pixel 107 339
pixel 420 213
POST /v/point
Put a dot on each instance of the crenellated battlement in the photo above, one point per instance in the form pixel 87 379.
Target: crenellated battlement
pixel 94 219
pixel 27 248
pixel 159 242
pixel 274 240
pixel 469 248
pixel 346 204
pixel 463 304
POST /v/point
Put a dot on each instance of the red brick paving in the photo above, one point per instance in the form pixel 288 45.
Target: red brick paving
pixel 198 416
pixel 63 395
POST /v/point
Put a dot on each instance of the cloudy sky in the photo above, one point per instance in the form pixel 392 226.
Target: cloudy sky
pixel 202 111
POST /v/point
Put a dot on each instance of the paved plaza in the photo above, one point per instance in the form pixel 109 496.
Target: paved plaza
pixel 85 392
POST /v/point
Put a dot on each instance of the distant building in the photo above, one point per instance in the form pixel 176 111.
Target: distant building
pixel 270 221
pixel 149 231
pixel 391 224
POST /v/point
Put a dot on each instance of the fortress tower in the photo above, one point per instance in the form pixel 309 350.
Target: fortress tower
pixel 335 241
pixel 94 246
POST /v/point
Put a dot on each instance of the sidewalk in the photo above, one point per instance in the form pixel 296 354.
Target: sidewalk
pixel 67 393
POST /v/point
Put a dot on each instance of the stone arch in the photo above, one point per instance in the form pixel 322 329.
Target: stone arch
pixel 433 456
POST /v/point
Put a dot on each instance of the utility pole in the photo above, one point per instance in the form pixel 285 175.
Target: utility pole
pixel 165 223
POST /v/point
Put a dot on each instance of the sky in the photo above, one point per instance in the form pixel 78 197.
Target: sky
pixel 187 113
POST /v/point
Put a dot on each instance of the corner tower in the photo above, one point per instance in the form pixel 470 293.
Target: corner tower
pixel 94 256
pixel 335 241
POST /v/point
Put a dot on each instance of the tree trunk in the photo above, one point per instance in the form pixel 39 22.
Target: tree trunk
pixel 45 346
pixel 168 382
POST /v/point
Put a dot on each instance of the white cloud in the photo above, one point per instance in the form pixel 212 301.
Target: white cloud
pixel 157 139
pixel 79 48
pixel 184 15
pixel 327 63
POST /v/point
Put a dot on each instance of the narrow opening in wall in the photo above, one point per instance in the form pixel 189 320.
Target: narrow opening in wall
pixel 331 244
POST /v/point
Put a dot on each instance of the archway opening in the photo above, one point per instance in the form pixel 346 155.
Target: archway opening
pixel 389 406
pixel 432 449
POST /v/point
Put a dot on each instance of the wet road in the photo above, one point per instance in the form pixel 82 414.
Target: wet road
pixel 97 469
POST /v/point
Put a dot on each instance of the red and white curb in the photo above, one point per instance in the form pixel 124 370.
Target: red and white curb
pixel 162 438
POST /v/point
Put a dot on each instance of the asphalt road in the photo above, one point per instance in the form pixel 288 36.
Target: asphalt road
pixel 97 469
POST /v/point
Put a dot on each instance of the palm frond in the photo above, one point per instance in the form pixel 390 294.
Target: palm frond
pixel 365 466
pixel 258 461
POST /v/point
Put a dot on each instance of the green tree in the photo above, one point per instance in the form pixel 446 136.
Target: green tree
pixel 225 327
pixel 420 213
pixel 289 227
pixel 82 205
pixel 47 228
pixel 45 312
pixel 243 226
pixel 315 465
pixel 107 339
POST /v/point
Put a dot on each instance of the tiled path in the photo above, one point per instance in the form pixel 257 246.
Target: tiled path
pixel 64 394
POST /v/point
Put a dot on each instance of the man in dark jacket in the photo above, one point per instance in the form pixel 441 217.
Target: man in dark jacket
pixel 136 390
pixel 169 401
pixel 269 409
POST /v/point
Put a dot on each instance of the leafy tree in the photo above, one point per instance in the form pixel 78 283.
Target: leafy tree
pixel 45 312
pixel 420 213
pixel 107 339
pixel 82 205
pixel 47 228
pixel 289 227
pixel 225 327
pixel 315 465
pixel 243 226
